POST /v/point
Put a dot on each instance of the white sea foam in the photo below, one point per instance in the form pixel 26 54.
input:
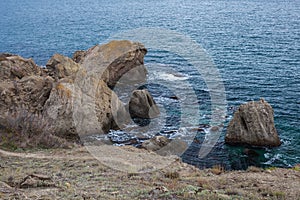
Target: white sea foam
pixel 172 77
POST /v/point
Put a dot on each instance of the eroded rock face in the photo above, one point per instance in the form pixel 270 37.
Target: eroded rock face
pixel 23 85
pixel 60 67
pixel 94 105
pixel 142 105
pixel 112 60
pixel 58 110
pixel 84 104
pixel 253 124
pixel 164 146
pixel 78 56
pixel 15 67
pixel 74 95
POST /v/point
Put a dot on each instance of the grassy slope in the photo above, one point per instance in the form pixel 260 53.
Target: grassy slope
pixel 75 174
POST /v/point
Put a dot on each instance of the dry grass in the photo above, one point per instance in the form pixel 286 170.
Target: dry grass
pixel 172 175
pixel 28 130
pixel 217 169
pixel 74 174
pixel 254 169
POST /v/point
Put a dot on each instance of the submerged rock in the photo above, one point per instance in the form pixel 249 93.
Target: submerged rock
pixel 253 124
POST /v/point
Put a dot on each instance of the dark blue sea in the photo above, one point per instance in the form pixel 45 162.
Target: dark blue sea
pixel 255 45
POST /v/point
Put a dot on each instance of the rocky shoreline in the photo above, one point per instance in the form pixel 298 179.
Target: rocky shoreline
pixel 56 106
pixel 74 97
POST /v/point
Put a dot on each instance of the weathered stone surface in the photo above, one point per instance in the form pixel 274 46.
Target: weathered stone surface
pixel 60 67
pixel 112 60
pixel 137 75
pixel 13 67
pixel 58 110
pixel 74 114
pixel 23 86
pixel 28 94
pixel 142 105
pixel 75 97
pixel 83 108
pixel 93 113
pixel 78 56
pixel 155 143
pixel 253 124
pixel 174 147
pixel 164 146
pixel 86 105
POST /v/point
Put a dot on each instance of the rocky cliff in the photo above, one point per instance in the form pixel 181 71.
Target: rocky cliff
pixel 74 95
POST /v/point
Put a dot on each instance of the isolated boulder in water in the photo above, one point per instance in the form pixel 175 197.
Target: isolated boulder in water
pixel 253 124
pixel 114 59
pixel 142 105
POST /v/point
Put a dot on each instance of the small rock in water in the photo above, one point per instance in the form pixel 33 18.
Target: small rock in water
pixel 174 97
pixel 142 105
pixel 253 124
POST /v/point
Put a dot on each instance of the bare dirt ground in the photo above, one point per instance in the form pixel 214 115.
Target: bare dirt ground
pixel 76 174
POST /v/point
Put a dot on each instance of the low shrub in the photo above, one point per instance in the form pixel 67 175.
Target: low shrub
pixel 22 129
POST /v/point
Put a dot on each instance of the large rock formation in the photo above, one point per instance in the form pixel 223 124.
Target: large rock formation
pixel 73 95
pixel 81 102
pixel 253 124
pixel 112 60
pixel 142 105
pixel 14 67
pixel 23 85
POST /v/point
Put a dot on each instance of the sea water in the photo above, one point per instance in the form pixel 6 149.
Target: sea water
pixel 254 44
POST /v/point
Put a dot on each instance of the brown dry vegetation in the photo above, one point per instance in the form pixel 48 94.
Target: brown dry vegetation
pixel 75 174
pixel 28 130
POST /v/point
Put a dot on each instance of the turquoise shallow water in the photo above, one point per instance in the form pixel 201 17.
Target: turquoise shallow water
pixel 254 44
